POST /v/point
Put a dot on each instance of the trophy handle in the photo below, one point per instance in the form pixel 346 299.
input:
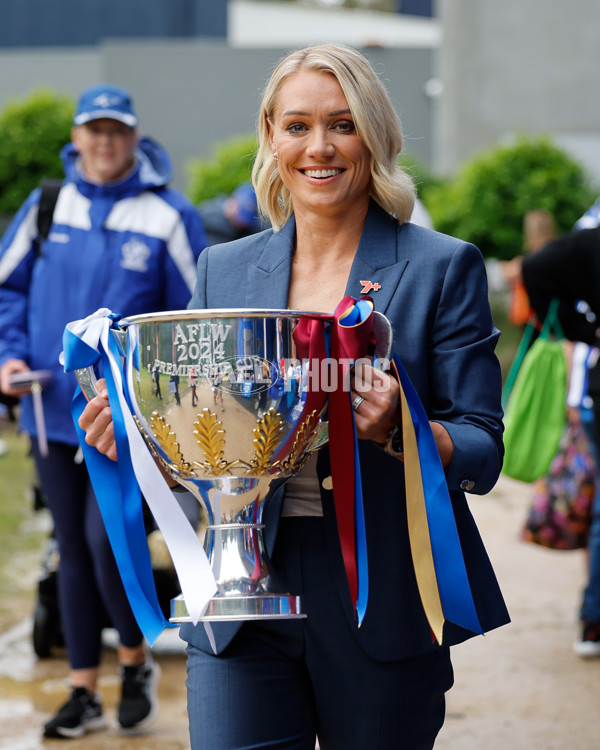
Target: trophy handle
pixel 88 382
pixel 384 339
pixel 86 376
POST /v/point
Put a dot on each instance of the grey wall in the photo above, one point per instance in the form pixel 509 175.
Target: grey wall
pixel 191 94
pixel 515 66
pixel 66 72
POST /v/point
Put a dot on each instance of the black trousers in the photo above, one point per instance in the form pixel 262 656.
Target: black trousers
pixel 89 584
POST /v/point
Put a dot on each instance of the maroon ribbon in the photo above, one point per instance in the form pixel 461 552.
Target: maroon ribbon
pixel 347 343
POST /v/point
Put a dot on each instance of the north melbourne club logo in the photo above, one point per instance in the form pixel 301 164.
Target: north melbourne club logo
pixel 106 100
pixel 134 255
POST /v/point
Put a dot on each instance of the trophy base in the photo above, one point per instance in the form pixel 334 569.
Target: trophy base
pixel 231 608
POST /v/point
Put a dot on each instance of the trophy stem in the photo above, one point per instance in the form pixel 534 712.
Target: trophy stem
pixel 246 587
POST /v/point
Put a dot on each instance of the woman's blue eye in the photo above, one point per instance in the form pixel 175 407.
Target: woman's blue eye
pixel 296 127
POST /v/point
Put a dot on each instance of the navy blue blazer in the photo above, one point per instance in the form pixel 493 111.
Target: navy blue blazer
pixel 433 289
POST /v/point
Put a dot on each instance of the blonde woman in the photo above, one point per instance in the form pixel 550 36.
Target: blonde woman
pixel 326 178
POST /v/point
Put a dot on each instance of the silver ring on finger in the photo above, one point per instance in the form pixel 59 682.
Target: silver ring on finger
pixel 357 402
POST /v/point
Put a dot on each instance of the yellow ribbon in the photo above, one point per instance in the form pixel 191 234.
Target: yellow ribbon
pixel 418 527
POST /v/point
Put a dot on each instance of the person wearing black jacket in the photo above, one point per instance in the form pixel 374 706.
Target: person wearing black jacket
pixel 569 269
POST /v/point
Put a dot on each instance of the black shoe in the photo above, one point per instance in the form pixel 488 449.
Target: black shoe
pixel 80 714
pixel 139 704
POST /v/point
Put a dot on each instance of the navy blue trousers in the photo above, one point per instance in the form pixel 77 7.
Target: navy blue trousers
pixel 89 584
pixel 280 684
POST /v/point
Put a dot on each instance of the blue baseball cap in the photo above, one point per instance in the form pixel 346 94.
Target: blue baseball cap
pixel 105 101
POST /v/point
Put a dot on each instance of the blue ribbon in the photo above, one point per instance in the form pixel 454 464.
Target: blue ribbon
pixel 451 574
pixel 358 314
pixel 117 490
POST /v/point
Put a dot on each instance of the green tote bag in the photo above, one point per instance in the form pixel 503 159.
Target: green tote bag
pixel 536 405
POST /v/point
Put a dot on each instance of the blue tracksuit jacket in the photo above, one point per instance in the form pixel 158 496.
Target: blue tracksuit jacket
pixel 131 246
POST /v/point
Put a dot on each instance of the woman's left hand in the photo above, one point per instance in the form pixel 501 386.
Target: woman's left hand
pixel 378 410
pixel 375 398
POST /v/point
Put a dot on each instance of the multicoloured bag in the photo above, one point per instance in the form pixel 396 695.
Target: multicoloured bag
pixel 561 508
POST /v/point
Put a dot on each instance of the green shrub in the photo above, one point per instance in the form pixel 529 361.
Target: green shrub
pixel 486 202
pixel 230 164
pixel 32 132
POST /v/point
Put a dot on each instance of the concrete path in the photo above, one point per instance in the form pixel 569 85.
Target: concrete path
pixel 519 688
pixel 522 687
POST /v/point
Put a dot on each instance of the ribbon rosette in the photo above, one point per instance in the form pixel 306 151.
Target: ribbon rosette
pixel 118 486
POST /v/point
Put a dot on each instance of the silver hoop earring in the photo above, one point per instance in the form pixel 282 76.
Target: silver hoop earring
pixel 275 155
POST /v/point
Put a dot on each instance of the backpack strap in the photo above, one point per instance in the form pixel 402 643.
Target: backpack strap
pixel 49 195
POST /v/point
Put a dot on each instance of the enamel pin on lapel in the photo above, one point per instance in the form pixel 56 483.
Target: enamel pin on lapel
pixel 369 286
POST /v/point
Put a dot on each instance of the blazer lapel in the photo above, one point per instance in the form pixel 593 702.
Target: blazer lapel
pixel 377 267
pixel 269 280
pixel 376 270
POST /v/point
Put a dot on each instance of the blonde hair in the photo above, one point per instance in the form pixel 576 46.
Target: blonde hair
pixel 376 121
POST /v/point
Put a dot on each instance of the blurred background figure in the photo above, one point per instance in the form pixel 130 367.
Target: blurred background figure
pixel 229 217
pixel 539 228
pixel 569 269
pixel 119 238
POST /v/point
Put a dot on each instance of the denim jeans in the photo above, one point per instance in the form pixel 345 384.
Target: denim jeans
pixel 590 608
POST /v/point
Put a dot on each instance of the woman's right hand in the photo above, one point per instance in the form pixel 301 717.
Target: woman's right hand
pixel 97 423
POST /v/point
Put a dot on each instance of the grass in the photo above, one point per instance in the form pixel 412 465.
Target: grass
pixel 22 535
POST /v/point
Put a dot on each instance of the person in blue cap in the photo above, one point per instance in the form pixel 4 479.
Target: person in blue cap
pixel 120 238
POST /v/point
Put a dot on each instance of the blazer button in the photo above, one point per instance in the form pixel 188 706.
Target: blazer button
pixel 327 483
pixel 467 485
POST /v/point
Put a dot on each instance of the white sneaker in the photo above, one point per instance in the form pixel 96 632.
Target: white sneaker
pixel 587 649
pixel 589 645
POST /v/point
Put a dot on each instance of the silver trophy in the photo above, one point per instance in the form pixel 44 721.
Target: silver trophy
pixel 220 397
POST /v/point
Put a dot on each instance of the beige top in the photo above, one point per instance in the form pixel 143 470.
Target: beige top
pixel 302 494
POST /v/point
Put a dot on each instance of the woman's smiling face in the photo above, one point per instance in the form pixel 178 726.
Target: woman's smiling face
pixel 321 159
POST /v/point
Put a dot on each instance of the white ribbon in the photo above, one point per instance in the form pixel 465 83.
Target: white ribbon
pixel 189 558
